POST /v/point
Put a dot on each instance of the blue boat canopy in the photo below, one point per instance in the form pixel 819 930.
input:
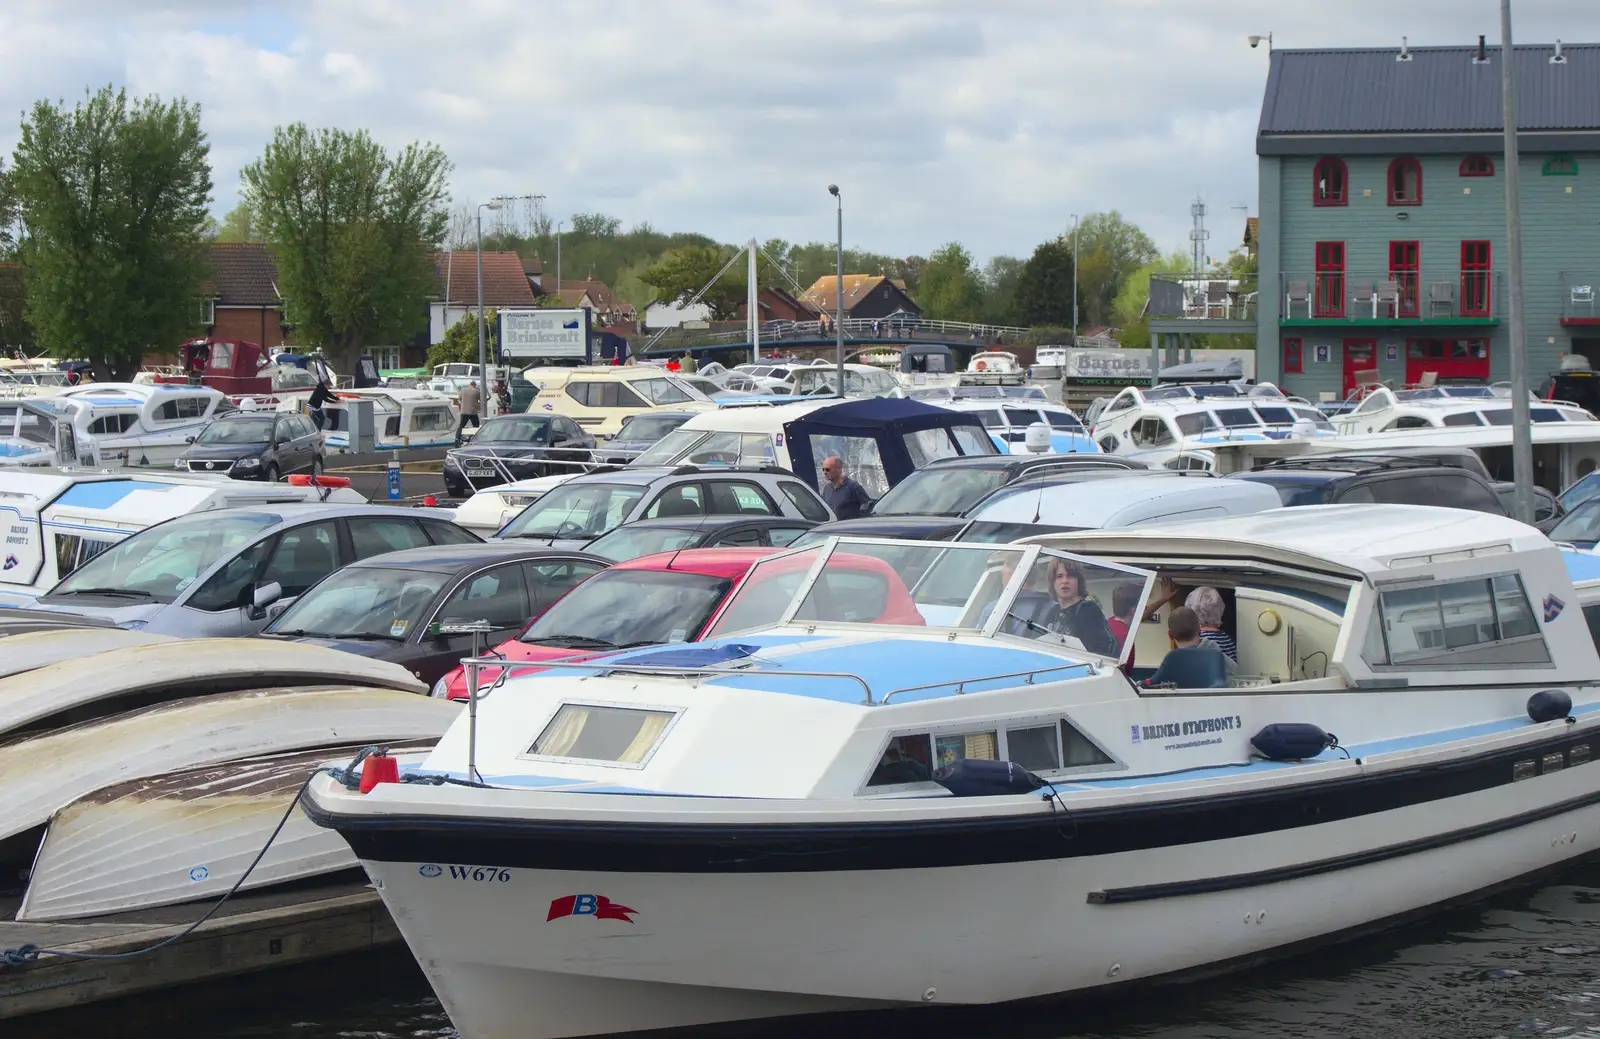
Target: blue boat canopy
pixel 885 420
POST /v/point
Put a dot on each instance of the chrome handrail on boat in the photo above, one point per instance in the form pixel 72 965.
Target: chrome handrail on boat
pixel 961 683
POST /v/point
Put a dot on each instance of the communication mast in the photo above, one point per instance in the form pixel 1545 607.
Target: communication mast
pixel 1198 236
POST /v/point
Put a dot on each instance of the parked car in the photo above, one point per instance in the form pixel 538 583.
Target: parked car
pixel 256 445
pixel 1580 526
pixel 408 607
pixel 1387 480
pixel 1580 490
pixel 1547 510
pixel 671 597
pixel 1111 499
pixel 597 503
pixel 649 536
pixel 639 433
pixel 232 571
pixel 517 447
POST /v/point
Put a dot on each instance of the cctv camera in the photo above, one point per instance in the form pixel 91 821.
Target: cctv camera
pixel 1255 41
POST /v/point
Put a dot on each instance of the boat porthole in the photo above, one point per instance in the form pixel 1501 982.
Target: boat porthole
pixel 1261 916
pixel 928 994
pixel 1269 622
pixel 1116 968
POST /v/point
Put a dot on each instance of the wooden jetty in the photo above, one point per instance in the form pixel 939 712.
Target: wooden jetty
pixel 252 932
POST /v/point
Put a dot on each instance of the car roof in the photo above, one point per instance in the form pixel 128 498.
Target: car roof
pixel 712 562
pixel 649 474
pixel 451 558
pixel 705 523
pixel 912 527
pixel 290 513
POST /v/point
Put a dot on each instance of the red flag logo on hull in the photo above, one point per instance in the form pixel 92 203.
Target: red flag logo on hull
pixel 598 906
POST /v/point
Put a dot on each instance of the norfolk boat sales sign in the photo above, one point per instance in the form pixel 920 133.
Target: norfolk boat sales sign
pixel 545 333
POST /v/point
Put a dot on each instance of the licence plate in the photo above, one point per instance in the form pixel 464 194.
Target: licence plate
pixel 480 472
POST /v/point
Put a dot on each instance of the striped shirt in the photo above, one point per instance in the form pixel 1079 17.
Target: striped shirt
pixel 1222 640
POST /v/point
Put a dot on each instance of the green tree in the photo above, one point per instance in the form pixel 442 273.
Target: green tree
pixel 460 343
pixel 1044 285
pixel 632 289
pixel 8 212
pixel 1109 250
pixel 238 226
pixel 683 272
pixel 951 289
pixel 1127 311
pixel 352 229
pixel 114 194
pixel 1000 276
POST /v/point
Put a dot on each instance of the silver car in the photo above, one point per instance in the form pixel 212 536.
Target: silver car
pixel 232 571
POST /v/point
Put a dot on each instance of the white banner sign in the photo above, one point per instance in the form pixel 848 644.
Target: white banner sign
pixel 1125 366
pixel 544 333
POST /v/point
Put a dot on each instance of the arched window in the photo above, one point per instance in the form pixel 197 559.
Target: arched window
pixel 1477 166
pixel 1330 183
pixel 1560 166
pixel 1405 182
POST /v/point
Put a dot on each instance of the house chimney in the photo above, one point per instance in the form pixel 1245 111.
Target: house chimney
pixel 1483 52
pixel 1405 54
pixel 1558 58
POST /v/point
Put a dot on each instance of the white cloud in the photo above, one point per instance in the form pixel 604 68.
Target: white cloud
pixel 989 123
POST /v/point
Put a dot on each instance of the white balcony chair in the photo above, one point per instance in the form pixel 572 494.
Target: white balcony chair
pixel 1298 292
pixel 1582 295
pixel 1388 295
pixel 1362 293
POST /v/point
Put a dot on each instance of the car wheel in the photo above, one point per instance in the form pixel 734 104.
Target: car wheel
pixel 270 474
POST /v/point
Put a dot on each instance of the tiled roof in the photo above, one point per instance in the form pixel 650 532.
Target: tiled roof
pixel 243 274
pixel 534 266
pixel 505 283
pixel 1252 230
pixel 824 291
pixel 1436 90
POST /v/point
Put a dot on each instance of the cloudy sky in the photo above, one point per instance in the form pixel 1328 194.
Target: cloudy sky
pixel 989 121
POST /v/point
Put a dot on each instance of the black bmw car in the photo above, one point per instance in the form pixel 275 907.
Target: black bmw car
pixel 517 447
pixel 408 607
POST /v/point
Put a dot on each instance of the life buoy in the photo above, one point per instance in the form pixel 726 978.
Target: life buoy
pixel 979 366
pixel 323 480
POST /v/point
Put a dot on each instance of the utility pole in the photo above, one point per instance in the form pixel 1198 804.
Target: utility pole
pixel 752 299
pixel 558 257
pixel 838 303
pixel 1074 279
pixel 496 203
pixel 1521 429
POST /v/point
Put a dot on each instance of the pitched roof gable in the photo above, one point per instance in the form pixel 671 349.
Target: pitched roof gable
pixel 505 282
pixel 243 274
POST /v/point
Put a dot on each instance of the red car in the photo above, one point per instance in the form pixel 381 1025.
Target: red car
pixel 669 597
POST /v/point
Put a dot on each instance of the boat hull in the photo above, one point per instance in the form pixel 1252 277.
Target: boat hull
pixel 507 942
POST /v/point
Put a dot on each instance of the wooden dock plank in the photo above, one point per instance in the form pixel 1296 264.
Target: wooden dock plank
pixel 253 936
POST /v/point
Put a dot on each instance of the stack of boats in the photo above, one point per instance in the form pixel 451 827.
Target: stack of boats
pixel 142 770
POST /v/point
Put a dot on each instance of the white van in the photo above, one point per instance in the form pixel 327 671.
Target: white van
pixel 1042 506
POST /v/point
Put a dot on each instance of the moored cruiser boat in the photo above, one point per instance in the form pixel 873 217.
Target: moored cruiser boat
pixel 1437 407
pixel 807 813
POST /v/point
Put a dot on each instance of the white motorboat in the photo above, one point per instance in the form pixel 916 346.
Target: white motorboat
pixel 142 424
pixel 1439 407
pixel 808 813
pixel 184 836
pixel 40 432
pixel 95 684
pixel 1180 426
pixel 493 507
pixel 401 418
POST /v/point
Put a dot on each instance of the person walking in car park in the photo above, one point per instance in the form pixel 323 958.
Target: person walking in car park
pixel 843 495
pixel 320 395
pixel 470 400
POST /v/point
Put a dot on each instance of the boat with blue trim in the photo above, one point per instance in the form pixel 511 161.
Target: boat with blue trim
pixel 968 783
pixel 1179 426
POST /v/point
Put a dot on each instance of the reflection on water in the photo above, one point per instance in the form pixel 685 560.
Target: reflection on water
pixel 1524 963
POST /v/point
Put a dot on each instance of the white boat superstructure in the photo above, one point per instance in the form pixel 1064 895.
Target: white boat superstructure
pixel 401 418
pixel 1440 407
pixel 59 519
pixel 143 425
pixel 1007 421
pixel 1178 426
pixel 1011 808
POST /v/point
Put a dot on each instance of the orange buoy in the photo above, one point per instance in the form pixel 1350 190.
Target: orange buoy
pixel 323 480
pixel 378 768
pixel 980 366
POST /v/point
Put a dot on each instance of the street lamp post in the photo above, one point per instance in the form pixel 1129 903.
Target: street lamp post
pixel 1074 279
pixel 496 203
pixel 838 303
pixel 559 224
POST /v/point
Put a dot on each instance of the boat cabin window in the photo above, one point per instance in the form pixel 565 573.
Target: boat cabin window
pixel 115 423
pixel 1194 424
pixel 181 408
pixel 860 457
pixel 607 735
pixel 1591 614
pixel 928 445
pixel 1235 418
pixel 1151 432
pixel 430 419
pixel 1041 748
pixel 1481 622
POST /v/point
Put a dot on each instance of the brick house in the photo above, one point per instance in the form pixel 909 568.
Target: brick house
pixel 774 304
pixel 865 296
pixel 1381 235
pixel 506 283
pixel 609 312
pixel 241 294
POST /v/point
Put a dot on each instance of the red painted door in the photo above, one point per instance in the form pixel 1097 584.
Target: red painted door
pixel 1404 266
pixel 1456 360
pixel 1359 355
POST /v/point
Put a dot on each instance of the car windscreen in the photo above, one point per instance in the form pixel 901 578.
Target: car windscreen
pixel 1581 524
pixel 237 431
pixel 160 563
pixel 630 542
pixel 618 608
pixel 939 492
pixel 516 429
pixel 577 511
pixel 363 602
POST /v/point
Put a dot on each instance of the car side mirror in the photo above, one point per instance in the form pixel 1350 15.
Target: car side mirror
pixel 188 440
pixel 263 596
pixel 867 507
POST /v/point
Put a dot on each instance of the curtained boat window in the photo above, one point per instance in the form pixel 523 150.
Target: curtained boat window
pixel 614 735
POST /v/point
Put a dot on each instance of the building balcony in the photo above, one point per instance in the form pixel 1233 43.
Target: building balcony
pixel 1203 297
pixel 1578 299
pixel 1390 299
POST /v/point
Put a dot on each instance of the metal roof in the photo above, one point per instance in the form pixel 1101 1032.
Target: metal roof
pixel 1437 90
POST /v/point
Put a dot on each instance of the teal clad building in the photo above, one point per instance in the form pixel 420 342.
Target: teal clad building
pixel 1382 215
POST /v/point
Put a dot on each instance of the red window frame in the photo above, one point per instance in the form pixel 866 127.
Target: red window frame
pixel 1477 278
pixel 1293 357
pixel 1328 297
pixel 1477 166
pixel 1334 170
pixel 1404 162
pixel 1405 267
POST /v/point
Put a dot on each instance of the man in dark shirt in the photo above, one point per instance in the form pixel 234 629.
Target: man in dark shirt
pixel 844 496
pixel 320 395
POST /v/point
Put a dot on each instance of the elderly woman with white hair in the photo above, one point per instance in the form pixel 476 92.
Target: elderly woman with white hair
pixel 1207 604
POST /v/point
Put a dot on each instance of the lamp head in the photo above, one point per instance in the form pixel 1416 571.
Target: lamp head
pixel 1255 41
pixel 833 189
